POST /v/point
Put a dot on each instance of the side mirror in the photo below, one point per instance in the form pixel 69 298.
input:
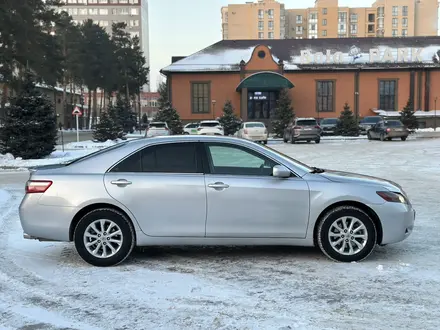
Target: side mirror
pixel 279 171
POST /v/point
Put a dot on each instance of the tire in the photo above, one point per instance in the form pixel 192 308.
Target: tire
pixel 265 142
pixel 337 215
pixel 284 138
pixel 292 140
pixel 317 141
pixel 403 138
pixel 389 139
pixel 382 137
pixel 369 136
pixel 185 133
pixel 120 222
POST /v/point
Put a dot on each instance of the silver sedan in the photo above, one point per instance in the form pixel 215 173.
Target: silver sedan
pixel 207 190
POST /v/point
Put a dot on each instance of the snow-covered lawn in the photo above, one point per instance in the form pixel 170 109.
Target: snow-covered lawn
pixel 47 286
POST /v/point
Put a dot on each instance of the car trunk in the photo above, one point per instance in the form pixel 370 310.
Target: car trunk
pixel 157 130
pixel 256 131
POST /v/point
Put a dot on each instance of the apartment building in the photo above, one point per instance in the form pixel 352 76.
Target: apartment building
pixel 385 18
pixel 105 12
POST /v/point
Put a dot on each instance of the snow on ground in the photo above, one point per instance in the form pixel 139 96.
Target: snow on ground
pixel 47 285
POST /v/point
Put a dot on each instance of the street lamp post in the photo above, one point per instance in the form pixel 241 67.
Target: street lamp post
pixel 213 108
pixel 435 114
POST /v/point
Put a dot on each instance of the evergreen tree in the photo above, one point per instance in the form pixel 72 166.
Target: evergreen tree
pixel 144 119
pixel 347 124
pixel 126 117
pixel 30 127
pixel 229 120
pixel 108 127
pixel 163 94
pixel 170 115
pixel 408 118
pixel 283 113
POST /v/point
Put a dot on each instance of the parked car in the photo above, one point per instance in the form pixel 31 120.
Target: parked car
pixel 254 131
pixel 328 126
pixel 218 191
pixel 210 127
pixel 190 128
pixel 388 130
pixel 157 128
pixel 303 129
pixel 368 122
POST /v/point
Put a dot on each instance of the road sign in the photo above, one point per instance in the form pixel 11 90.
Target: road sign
pixel 76 112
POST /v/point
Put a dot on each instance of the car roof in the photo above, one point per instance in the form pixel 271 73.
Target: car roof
pixel 209 121
pixel 253 122
pixel 310 118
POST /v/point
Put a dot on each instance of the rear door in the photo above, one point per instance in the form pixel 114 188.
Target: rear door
pixel 163 186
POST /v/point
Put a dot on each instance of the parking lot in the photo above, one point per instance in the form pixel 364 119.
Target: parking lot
pixel 47 285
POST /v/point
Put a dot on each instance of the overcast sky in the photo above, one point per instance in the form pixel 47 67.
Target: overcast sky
pixel 181 28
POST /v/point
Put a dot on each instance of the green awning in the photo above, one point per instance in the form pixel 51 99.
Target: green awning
pixel 265 81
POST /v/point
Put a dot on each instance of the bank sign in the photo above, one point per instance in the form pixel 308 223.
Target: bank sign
pixel 355 55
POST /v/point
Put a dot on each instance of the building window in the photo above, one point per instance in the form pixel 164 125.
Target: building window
pixel 405 22
pixel 103 1
pixel 271 13
pixel 342 17
pixel 71 1
pixel 370 28
pixel 405 11
pixel 260 35
pixel 82 11
pixel 404 32
pixel 134 1
pixel 271 35
pixel 93 11
pixel 299 19
pixel 103 11
pixel 324 22
pixel 395 10
pixel 313 16
pixel 270 25
pixel 354 18
pixel 93 1
pixel 114 11
pixel 313 27
pixel 394 32
pixel 324 33
pixel 103 23
pixel 325 96
pixel 123 1
pixel 135 11
pixel 123 11
pixel 353 29
pixel 260 13
pixel 134 22
pixel 387 95
pixel 260 25
pixel 395 22
pixel 324 11
pixel 201 102
pixel 371 18
pixel 341 35
pixel 113 1
pixel 299 30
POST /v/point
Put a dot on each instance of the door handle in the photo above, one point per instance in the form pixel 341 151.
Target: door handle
pixel 121 182
pixel 218 185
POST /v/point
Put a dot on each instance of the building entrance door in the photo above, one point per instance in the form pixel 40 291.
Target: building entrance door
pixel 261 105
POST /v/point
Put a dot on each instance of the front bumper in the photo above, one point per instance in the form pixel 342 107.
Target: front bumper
pixel 397 221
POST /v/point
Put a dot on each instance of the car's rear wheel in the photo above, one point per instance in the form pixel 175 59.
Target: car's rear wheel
pixel 317 140
pixel 292 140
pixel 403 138
pixel 104 237
pixel 346 234
pixel 369 136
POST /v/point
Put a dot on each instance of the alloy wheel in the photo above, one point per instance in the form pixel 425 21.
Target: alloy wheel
pixel 103 238
pixel 348 235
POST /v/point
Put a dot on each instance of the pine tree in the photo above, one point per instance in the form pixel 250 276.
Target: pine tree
pixel 30 127
pixel 347 124
pixel 109 127
pixel 170 115
pixel 407 116
pixel 126 116
pixel 144 119
pixel 283 113
pixel 229 120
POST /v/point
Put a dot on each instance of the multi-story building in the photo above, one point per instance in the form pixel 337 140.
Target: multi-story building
pixel 105 12
pixel 385 18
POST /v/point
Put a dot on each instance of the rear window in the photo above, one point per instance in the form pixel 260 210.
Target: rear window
pixel 306 122
pixel 371 120
pixel 393 123
pixel 192 126
pixel 329 121
pixel 99 152
pixel 255 125
pixel 158 125
pixel 213 124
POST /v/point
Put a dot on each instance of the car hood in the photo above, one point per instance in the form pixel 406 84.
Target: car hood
pixel 347 177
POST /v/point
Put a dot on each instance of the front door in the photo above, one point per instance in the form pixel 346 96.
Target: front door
pixel 163 186
pixel 245 200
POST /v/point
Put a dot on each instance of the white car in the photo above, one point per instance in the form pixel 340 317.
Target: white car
pixel 210 127
pixel 254 131
pixel 157 128
pixel 190 128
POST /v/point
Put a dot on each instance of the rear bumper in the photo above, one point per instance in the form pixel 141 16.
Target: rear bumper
pixel 397 134
pixel 397 221
pixel 255 138
pixel 307 136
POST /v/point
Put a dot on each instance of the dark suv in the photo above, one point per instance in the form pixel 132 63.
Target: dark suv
pixel 368 122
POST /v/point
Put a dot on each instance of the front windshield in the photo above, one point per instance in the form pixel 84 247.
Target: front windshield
pixel 305 167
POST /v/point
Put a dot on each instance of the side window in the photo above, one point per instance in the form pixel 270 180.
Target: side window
pixel 171 158
pixel 234 160
pixel 131 164
pixel 165 158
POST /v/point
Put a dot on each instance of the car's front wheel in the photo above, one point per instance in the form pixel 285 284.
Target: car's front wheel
pixel 346 234
pixel 104 237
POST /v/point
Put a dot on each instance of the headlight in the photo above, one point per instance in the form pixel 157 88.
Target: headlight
pixel 392 197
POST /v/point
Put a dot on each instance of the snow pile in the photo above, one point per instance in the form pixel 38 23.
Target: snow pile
pixel 90 144
pixel 428 129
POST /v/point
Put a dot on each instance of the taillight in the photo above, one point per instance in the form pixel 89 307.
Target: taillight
pixel 220 127
pixel 388 130
pixel 317 126
pixel 245 131
pixel 265 131
pixel 37 186
pixel 166 128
